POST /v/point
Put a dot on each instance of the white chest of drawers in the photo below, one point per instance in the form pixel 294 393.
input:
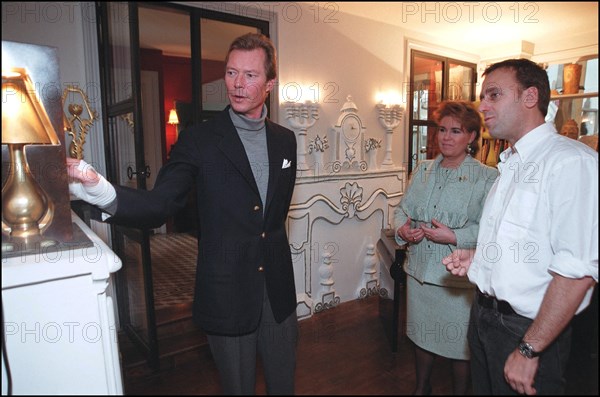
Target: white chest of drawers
pixel 59 322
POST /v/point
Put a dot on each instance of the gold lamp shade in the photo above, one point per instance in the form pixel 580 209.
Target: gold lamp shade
pixel 26 209
pixel 24 120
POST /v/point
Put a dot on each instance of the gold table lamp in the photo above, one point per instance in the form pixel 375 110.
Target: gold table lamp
pixel 26 208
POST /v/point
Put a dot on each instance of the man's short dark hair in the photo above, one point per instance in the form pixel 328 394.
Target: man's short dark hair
pixel 528 74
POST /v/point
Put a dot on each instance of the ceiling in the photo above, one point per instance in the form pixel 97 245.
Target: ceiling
pixel 486 26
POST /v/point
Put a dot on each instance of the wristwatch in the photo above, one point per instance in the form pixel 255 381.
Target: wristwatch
pixel 527 350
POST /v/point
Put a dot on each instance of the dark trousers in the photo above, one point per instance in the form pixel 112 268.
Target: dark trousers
pixel 493 336
pixel 235 356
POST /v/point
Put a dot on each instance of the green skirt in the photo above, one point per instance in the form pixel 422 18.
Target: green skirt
pixel 437 318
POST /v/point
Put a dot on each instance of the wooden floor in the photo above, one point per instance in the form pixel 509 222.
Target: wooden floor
pixel 343 350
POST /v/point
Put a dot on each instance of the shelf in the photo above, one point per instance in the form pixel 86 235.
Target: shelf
pixel 574 96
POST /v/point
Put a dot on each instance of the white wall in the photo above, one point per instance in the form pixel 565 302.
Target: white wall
pixel 52 24
pixel 334 55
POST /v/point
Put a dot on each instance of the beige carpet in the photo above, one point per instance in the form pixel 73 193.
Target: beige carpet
pixel 173 268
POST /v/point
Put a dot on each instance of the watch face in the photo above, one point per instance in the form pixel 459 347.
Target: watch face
pixel 524 351
pixel 351 127
pixel 527 350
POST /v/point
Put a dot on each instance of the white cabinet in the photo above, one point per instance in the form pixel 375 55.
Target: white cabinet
pixel 59 323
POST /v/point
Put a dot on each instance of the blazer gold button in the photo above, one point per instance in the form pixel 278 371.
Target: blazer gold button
pixel 261 269
pixel 256 208
pixel 263 235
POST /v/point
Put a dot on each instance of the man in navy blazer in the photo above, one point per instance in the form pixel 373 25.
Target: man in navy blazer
pixel 244 169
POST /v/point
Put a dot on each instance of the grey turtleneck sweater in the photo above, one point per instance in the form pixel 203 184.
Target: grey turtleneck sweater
pixel 253 134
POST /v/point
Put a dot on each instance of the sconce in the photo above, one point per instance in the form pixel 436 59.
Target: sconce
pixel 301 117
pixel 389 118
pixel 26 208
pixel 77 123
pixel 173 119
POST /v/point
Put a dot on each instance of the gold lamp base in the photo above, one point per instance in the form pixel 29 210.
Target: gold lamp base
pixel 26 210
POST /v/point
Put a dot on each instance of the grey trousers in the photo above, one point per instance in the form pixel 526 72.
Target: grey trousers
pixel 235 356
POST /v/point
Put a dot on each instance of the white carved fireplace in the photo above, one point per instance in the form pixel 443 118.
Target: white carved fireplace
pixel 336 216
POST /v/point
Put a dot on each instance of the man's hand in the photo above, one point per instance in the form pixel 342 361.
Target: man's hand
pixel 87 185
pixel 459 261
pixel 519 373
pixel 82 172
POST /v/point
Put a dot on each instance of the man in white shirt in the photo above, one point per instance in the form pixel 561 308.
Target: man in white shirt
pixel 536 262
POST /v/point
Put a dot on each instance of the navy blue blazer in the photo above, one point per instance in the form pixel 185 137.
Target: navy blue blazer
pixel 241 246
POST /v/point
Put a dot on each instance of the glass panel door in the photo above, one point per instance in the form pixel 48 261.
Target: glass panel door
pixel 461 82
pixel 132 245
pixel 127 167
pixel 119 48
pixel 426 93
pixel 433 78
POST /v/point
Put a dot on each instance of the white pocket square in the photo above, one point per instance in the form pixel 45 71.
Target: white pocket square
pixel 286 164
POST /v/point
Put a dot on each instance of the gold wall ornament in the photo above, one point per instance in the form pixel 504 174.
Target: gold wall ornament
pixel 77 122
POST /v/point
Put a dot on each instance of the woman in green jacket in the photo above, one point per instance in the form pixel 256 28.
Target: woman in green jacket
pixel 440 212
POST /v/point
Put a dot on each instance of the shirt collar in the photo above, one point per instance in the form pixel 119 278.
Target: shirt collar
pixel 506 153
pixel 530 143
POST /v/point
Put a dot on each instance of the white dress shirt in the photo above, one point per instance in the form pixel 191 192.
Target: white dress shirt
pixel 540 216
